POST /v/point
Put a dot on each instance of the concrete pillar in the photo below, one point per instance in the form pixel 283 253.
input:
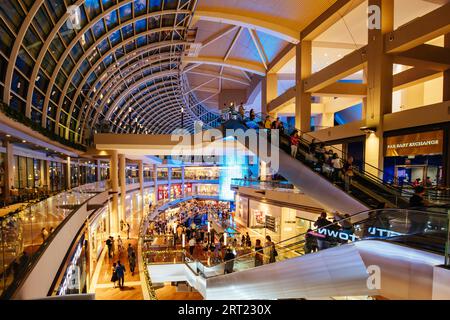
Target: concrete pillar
pixel 123 187
pixel 269 90
pixel 327 120
pixel 47 174
pixel 68 174
pixel 263 170
pixel 446 95
pixel 379 84
pixel 114 175
pixel 98 170
pixel 9 171
pixel 141 183
pixel 169 182
pixel 303 69
pixel 183 191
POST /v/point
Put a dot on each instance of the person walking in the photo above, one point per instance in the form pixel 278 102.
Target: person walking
pixel 109 245
pixel 119 245
pixel 348 173
pixel 269 250
pixel 248 241
pixel 128 231
pixel 114 275
pixel 229 261
pixel 130 250
pixel 192 243
pixel 132 262
pixel 259 253
pixel 120 272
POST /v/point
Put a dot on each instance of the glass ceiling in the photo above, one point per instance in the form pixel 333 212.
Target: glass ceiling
pixel 81 65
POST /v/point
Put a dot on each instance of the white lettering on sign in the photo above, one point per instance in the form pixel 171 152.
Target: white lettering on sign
pixel 383 232
pixel 337 234
pixel 413 144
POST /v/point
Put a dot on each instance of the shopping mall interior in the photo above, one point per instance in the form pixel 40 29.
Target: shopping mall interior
pixel 208 149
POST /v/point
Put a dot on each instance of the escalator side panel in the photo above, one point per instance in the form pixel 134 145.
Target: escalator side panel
pixel 406 273
pixel 334 272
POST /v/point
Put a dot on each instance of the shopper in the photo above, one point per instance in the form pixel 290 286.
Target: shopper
pixel 229 261
pixel 109 245
pixel 130 250
pixel 243 241
pixel 418 220
pixel 348 173
pixel 417 200
pixel 192 244
pixel 119 245
pixel 322 222
pixel 120 272
pixel 132 262
pixel 44 234
pixel 310 242
pixel 114 274
pixel 252 115
pixel 259 253
pixel 128 231
pixel 242 111
pixel 248 241
pixel 336 164
pixel 270 252
pixel 295 139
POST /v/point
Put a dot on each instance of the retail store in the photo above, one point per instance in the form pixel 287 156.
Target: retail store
pixel 268 219
pixel 98 234
pixel 416 158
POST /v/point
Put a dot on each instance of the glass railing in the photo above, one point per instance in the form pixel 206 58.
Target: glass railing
pixel 276 185
pixel 23 237
pixel 417 229
pixel 365 184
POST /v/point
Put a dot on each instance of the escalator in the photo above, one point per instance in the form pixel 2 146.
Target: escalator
pixel 364 191
pixel 338 271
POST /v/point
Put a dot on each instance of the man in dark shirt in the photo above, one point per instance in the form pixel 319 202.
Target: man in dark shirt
pixel 322 221
pixel 418 220
pixel 417 199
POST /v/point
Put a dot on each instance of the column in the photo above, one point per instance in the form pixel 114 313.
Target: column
pixel 327 120
pixel 183 191
pixel 446 97
pixel 141 183
pixel 155 183
pixel 123 187
pixel 379 84
pixel 68 174
pixel 262 170
pixel 169 182
pixel 47 175
pixel 303 69
pixel 98 171
pixel 9 171
pixel 269 91
pixel 114 175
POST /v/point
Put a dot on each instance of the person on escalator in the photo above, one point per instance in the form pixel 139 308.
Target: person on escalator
pixel 418 221
pixel 252 115
pixel 295 139
pixel 336 164
pixel 322 222
pixel 310 242
pixel 348 173
pixel 267 123
pixel 242 111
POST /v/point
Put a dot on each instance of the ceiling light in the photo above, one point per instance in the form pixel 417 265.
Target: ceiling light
pixel 24 141
pixel 8 136
pixel 368 130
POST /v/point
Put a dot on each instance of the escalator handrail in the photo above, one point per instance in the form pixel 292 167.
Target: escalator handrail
pixel 329 225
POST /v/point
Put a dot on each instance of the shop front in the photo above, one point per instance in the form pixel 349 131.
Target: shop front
pixel 98 234
pixel 280 223
pixel 74 279
pixel 415 159
pixel 175 190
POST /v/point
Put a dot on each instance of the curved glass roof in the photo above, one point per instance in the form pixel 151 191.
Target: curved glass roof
pixel 79 65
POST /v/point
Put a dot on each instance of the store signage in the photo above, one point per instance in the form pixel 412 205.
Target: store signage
pixel 270 223
pixel 323 232
pixel 422 143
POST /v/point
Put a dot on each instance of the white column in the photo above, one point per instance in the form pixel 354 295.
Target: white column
pixel 98 170
pixel 123 186
pixel 114 175
pixel 183 192
pixel 141 183
pixel 68 174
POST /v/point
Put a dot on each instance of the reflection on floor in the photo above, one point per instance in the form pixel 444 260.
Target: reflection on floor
pixel 169 292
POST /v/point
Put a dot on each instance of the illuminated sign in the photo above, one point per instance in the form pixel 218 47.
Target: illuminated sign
pixel 415 144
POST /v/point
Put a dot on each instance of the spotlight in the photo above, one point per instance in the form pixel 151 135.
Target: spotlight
pixel 368 130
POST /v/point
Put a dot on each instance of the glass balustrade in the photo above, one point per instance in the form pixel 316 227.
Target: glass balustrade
pixel 22 234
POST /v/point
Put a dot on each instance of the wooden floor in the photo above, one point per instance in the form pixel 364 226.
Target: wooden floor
pixel 169 292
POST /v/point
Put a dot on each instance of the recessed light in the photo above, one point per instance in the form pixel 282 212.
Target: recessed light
pixel 8 136
pixel 24 141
